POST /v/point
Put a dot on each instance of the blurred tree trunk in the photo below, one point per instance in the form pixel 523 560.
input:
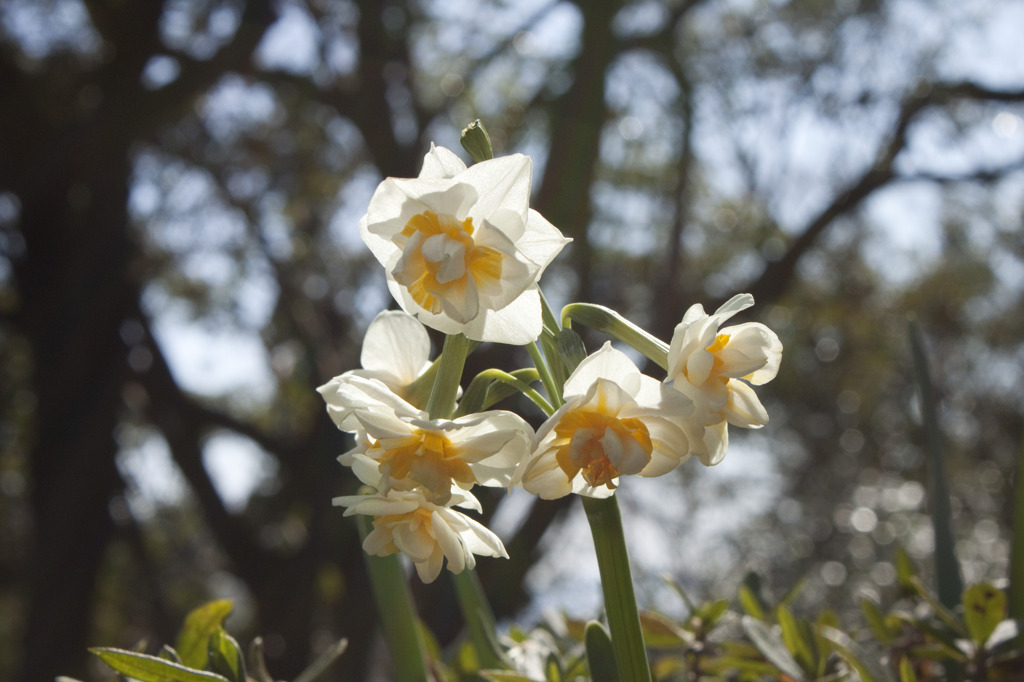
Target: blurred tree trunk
pixel 76 292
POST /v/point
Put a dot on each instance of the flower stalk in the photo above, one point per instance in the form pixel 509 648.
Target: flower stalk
pixel 449 373
pixel 479 617
pixel 617 585
pixel 396 612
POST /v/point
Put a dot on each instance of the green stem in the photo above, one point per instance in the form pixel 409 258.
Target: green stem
pixel 552 389
pixel 397 616
pixel 606 320
pixel 449 373
pixel 479 617
pixel 617 584
pixel 521 386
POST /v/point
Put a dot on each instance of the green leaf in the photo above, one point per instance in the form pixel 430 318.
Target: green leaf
pixel 504 676
pixel 1016 589
pixel 323 662
pixel 869 669
pixel 709 613
pixel 947 568
pixel 146 668
pixel 750 596
pixel 226 656
pixel 906 569
pixel 772 647
pixel 943 613
pixel 984 609
pixel 600 653
pixel 257 664
pixel 876 621
pixel 552 670
pixel 661 633
pixel 907 673
pixel 571 348
pixel 195 633
pixel 690 607
pixel 798 638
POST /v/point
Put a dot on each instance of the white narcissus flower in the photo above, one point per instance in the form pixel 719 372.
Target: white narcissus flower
pixel 405 521
pixel 462 248
pixel 396 350
pixel 712 367
pixel 410 450
pixel 615 421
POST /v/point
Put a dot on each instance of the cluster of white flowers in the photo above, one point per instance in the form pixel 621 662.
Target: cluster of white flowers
pixel 463 252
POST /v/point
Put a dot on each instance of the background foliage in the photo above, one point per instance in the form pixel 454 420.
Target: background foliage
pixel 179 186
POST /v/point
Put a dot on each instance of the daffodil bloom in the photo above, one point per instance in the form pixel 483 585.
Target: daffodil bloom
pixel 411 451
pixel 406 521
pixel 615 421
pixel 461 247
pixel 396 350
pixel 712 367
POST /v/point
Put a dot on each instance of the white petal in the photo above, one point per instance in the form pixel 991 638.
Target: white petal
pixel 733 305
pixel 669 441
pixel 607 363
pixel 349 393
pixel 744 409
pixel 716 442
pixel 449 541
pixel 431 568
pixel 439 163
pixel 516 324
pixel 502 184
pixel 581 487
pixel 477 538
pixel 542 476
pixel 398 344
pixel 366 469
pixel 541 242
pixel 464 499
pixel 381 425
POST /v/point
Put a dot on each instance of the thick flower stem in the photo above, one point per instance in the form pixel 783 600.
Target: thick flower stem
pixel 472 601
pixel 617 584
pixel 397 614
pixel 479 618
pixel 449 374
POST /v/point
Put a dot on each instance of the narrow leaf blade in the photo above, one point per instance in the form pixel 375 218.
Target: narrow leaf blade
pixel 146 668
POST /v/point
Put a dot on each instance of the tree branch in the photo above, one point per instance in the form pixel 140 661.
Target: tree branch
pixel 777 275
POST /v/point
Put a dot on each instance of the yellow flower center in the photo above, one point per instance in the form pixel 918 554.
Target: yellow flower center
pixel 425 458
pixel 720 342
pixel 442 260
pixel 600 446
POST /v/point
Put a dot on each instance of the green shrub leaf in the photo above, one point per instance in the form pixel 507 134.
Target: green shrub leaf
pixel 863 662
pixel 195 633
pixel 146 668
pixel 771 645
pixel 600 653
pixel 984 609
pixel 226 656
